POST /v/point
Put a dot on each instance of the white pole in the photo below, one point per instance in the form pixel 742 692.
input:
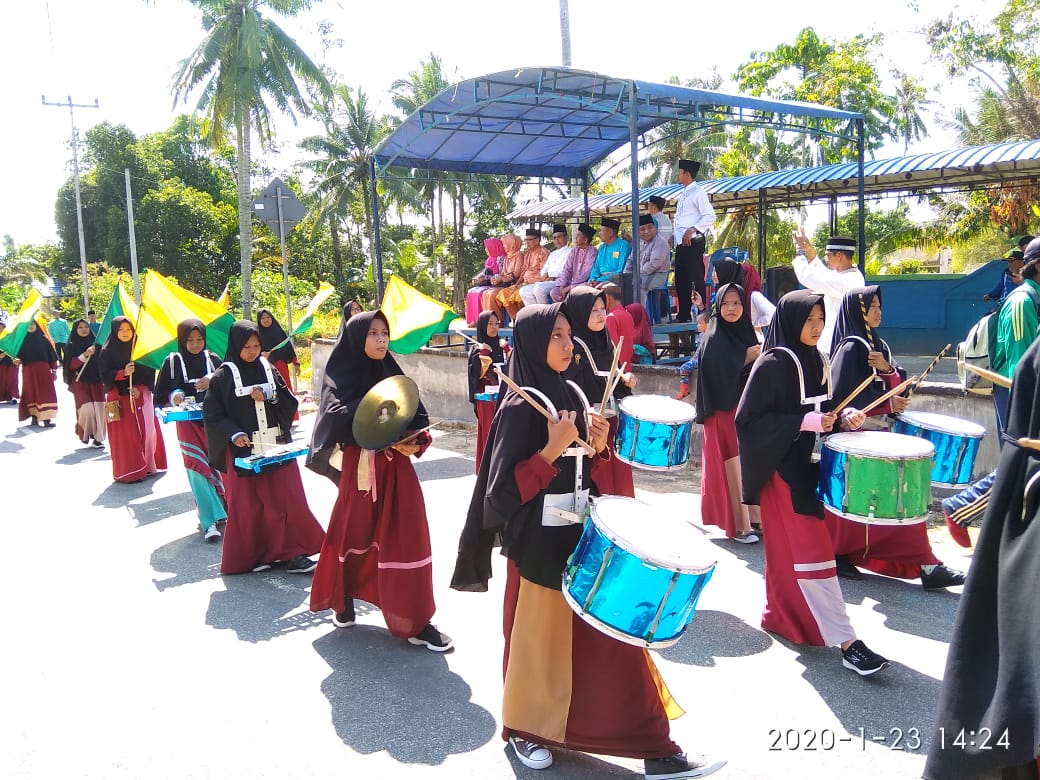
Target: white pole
pixel 79 214
pixel 285 274
pixel 133 239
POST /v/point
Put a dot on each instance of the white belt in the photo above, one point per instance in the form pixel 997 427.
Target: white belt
pixel 559 509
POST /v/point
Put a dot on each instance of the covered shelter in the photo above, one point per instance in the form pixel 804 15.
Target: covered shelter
pixel 561 122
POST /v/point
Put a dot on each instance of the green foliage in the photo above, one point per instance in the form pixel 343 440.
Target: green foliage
pixel 102 279
pixel 268 289
pixel 885 231
pixel 907 267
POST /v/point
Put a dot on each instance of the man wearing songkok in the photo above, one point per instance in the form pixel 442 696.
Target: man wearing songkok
pixel 578 265
pixel 539 291
pixel 694 215
pixel 654 255
pixel 832 279
pixel 664 223
pixel 612 255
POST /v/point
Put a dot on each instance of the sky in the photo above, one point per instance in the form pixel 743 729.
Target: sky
pixel 124 53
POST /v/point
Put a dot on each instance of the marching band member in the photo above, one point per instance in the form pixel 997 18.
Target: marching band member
pixel 268 517
pixel 483 358
pixel 83 376
pixel 272 334
pixel 566 683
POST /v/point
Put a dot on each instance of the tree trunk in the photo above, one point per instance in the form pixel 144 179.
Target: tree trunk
pixel 337 254
pixel 458 288
pixel 245 213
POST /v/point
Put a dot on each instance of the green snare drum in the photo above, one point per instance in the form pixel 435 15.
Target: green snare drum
pixel 876 477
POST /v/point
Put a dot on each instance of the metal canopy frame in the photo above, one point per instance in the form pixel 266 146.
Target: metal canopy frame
pixel 561 122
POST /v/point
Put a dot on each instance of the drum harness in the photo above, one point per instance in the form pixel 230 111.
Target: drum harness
pixel 265 437
pixel 177 356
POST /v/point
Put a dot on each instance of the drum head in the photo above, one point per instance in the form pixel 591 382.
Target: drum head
pixel 943 424
pixel 880 444
pixel 657 408
pixel 652 536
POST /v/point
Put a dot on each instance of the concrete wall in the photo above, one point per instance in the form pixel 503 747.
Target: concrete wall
pixel 441 376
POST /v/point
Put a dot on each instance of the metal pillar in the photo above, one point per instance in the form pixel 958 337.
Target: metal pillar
pixel 133 238
pixel 377 247
pixel 862 216
pixel 633 130
pixel 585 193
pixel 761 233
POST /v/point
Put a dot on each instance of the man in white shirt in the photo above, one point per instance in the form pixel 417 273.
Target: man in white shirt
pixel 539 291
pixel 831 279
pixel 655 205
pixel 694 215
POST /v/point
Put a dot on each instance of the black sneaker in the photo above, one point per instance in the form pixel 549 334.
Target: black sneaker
pixel 941 577
pixel 531 754
pixel 862 660
pixel 845 569
pixel 97 444
pixel 432 639
pixel 261 567
pixel 48 423
pixel 346 618
pixel 301 564
pixel 679 766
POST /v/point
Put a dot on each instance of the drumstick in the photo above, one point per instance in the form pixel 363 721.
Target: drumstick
pixel 894 391
pixel 1033 444
pixel 848 399
pixel 992 376
pixel 611 383
pixel 545 412
pixel 411 436
pixel 928 370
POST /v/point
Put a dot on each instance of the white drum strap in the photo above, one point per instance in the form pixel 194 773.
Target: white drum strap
pixel 269 387
pixel 544 399
pixel 264 436
pixel 592 360
pixel 559 509
pixel 815 400
pixel 177 356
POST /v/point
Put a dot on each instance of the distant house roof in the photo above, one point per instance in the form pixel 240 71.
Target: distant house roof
pixel 965 168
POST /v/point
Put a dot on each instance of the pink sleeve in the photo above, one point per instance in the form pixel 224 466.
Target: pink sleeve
pixel 533 476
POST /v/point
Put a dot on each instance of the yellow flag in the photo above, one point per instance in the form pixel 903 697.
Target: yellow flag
pixel 413 317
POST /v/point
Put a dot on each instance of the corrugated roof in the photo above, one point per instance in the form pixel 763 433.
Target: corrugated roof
pixel 559 122
pixel 964 168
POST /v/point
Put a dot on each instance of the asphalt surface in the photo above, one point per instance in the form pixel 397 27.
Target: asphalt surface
pixel 128 655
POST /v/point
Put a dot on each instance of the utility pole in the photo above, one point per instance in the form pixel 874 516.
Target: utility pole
pixel 79 203
pixel 565 32
pixel 133 238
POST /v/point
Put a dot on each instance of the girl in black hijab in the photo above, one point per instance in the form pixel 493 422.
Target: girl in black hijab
pixel 483 359
pixel 185 374
pixel 726 271
pixel 378 543
pixel 586 308
pixel 8 375
pixel 83 376
pixel 728 349
pixel 279 355
pixel 268 517
pixel 134 438
pixel 616 704
pixel 779 415
pixel 39 364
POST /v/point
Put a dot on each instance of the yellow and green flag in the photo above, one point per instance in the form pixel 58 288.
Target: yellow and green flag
pixel 122 304
pixel 413 317
pixel 14 333
pixel 224 299
pixel 307 321
pixel 164 305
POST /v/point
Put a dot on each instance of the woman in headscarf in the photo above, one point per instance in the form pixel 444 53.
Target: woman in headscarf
pixel 586 309
pixel 988 719
pixel 483 281
pixel 268 518
pixel 483 359
pixel 378 544
pixel 39 364
pixel 778 419
pixel 8 376
pixel 644 347
pixel 858 352
pixel 276 347
pixel 726 271
pixel 614 701
pixel 134 437
pixel 727 351
pixel 512 268
pixel 184 377
pixel 83 376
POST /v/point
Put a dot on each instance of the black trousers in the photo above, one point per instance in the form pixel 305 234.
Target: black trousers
pixel 59 349
pixel 689 275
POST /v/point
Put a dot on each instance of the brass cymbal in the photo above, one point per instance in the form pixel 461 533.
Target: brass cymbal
pixel 385 412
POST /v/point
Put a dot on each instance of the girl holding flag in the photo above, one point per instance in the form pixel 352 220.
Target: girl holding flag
pixel 39 363
pixel 83 376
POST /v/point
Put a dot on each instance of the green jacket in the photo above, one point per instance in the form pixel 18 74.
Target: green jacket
pixel 1017 323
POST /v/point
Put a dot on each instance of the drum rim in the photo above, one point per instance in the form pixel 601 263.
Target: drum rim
pixel 626 545
pixel 693 412
pixel 915 520
pixel 605 628
pixel 831 440
pixel 902 416
pixel 643 466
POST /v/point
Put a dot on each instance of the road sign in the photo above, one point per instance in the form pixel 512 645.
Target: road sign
pixel 266 206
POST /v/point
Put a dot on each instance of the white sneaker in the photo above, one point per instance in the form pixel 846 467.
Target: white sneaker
pixel 531 754
pixel 212 534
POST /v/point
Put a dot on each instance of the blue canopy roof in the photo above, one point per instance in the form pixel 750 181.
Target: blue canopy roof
pixel 559 122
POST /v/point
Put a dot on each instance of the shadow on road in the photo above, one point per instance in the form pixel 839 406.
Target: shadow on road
pixel 262 607
pixel 443 468
pixel 10 446
pixel 189 559
pixel 713 635
pixel 388 695
pixel 82 454
pixel 155 509
pixel 907 607
pixel 119 494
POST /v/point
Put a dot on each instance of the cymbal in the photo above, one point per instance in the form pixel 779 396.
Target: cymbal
pixel 385 412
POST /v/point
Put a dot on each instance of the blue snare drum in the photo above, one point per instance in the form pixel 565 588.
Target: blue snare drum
pixel 956 444
pixel 636 574
pixel 487 396
pixel 274 456
pixel 654 432
pixel 187 411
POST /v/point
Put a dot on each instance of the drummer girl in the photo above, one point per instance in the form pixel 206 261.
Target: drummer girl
pixel 566 684
pixel 483 359
pixel 777 421
pixel 378 544
pixel 268 517
pixel 186 374
pixel 728 349
pixel 586 308
pixel 277 347
pixel 902 551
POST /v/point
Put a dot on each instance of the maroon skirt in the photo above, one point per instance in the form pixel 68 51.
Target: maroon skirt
pixel 39 398
pixel 720 445
pixel 8 383
pixel 892 550
pixel 135 439
pixel 614 476
pixel 485 414
pixel 283 368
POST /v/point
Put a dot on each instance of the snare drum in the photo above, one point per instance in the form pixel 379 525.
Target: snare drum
pixel 956 444
pixel 876 477
pixel 273 457
pixel 636 574
pixel 654 432
pixel 186 411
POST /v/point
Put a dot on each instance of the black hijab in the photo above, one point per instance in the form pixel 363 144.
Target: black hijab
pixel 273 335
pixel 770 412
pixel 179 373
pixel 345 317
pixel 37 348
pixel 729 272
pixel 578 309
pixel 517 433
pixel 75 347
pixel 497 355
pixel 992 677
pixel 114 357
pixel 721 371
pixel 853 340
pixel 349 375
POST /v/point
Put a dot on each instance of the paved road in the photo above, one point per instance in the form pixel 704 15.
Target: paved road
pixel 127 654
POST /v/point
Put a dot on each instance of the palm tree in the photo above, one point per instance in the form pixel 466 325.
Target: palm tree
pixel 244 60
pixel 910 100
